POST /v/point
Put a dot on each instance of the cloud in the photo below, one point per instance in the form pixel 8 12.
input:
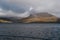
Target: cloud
pixel 11 6
pixel 10 13
pixel 21 8
pixel 50 6
pixel 11 9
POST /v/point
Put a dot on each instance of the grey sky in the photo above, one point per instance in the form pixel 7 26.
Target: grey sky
pixel 22 6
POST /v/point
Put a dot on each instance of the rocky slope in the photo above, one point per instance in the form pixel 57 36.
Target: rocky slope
pixel 40 17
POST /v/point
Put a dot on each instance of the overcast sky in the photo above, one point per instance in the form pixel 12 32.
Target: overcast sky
pixel 23 8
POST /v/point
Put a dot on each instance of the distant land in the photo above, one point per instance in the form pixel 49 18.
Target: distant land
pixel 36 18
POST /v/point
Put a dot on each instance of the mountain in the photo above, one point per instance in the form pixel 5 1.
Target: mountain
pixel 40 17
pixel 8 20
pixel 33 18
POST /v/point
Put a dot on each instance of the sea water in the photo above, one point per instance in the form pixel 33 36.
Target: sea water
pixel 30 31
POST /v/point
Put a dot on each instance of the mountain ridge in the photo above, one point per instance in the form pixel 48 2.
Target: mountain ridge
pixel 39 17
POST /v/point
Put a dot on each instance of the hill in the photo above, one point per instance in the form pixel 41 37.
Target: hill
pixel 35 18
pixel 40 17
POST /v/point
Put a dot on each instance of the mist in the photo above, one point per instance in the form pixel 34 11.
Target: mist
pixel 24 8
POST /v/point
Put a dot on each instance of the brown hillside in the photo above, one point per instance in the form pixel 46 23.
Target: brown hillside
pixel 40 17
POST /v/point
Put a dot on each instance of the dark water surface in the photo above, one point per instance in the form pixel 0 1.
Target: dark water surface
pixel 32 31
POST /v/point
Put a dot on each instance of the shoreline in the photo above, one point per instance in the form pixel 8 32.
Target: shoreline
pixel 32 23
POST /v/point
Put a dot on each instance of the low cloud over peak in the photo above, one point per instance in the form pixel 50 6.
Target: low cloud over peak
pixel 23 8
